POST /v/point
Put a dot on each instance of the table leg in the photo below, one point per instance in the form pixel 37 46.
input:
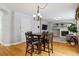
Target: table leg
pixel 39 45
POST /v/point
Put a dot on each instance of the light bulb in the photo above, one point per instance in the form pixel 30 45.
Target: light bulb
pixel 34 16
pixel 39 14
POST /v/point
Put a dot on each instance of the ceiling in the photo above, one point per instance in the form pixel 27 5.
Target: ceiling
pixel 53 10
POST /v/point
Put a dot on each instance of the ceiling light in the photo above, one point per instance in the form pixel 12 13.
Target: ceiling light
pixel 57 18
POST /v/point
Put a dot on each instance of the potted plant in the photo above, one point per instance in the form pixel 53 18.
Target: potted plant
pixel 72 28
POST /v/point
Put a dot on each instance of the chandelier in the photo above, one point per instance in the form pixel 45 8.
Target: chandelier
pixel 37 16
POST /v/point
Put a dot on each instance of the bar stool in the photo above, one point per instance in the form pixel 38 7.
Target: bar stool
pixel 46 40
pixel 30 42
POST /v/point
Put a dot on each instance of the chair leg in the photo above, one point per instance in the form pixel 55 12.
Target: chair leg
pixel 48 50
pixel 44 46
pixel 37 47
pixel 52 47
pixel 32 48
pixel 26 49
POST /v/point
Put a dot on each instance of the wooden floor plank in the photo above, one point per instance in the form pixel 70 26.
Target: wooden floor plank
pixel 60 49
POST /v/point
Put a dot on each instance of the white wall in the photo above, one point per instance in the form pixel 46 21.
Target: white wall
pixel 21 24
pixel 25 25
pixel 50 27
pixel 1 14
pixel 35 25
pixel 15 24
pixel 16 27
pixel 6 25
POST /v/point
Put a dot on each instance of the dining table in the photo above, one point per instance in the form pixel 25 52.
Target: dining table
pixel 39 37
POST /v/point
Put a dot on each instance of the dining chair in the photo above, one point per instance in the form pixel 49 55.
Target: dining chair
pixel 31 43
pixel 46 41
pixel 50 37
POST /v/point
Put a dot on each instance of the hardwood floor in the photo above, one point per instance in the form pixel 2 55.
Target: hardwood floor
pixel 60 49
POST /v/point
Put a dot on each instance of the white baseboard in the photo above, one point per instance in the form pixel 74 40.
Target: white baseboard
pixel 12 43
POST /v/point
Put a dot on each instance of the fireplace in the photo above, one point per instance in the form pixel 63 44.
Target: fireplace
pixel 64 33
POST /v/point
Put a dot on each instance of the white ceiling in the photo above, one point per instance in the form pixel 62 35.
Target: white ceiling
pixel 64 10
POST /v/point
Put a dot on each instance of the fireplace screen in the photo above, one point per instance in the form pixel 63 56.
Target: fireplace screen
pixel 64 33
